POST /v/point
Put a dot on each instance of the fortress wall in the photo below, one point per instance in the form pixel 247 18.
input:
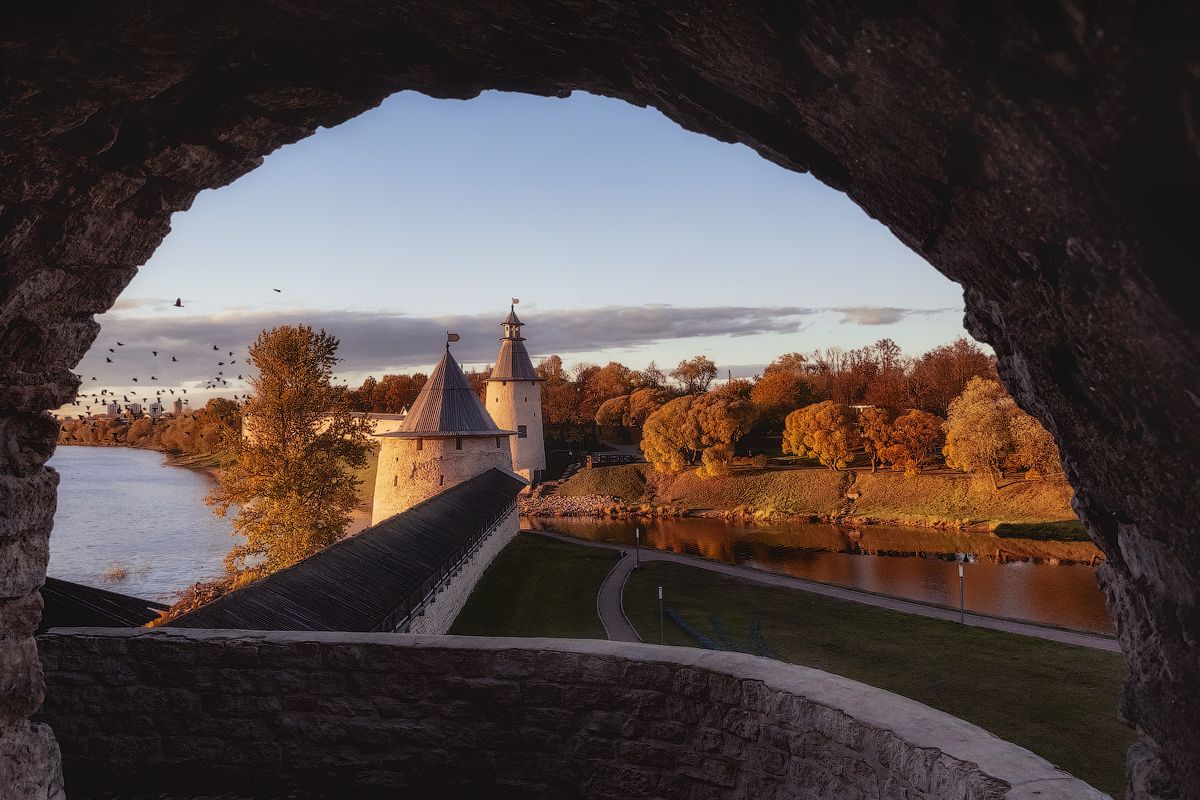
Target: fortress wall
pixel 406 475
pixel 440 614
pixel 174 710
pixel 513 403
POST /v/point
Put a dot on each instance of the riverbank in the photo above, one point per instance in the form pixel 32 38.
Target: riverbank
pixel 1025 509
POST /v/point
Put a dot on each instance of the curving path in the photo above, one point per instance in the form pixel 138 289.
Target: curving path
pixel 618 627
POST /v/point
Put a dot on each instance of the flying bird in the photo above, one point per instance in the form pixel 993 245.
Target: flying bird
pixel 179 302
pixel 107 360
pixel 111 350
pixel 120 344
pixel 173 358
pixel 135 380
pixel 215 347
pixel 155 353
pixel 278 290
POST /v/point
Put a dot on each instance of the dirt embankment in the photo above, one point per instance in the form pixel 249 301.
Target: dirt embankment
pixel 1032 509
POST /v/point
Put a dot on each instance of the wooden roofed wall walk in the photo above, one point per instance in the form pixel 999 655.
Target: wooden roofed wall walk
pixel 361 582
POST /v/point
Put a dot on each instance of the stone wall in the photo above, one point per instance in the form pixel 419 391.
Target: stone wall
pixel 412 470
pixel 169 709
pixel 515 403
pixel 439 615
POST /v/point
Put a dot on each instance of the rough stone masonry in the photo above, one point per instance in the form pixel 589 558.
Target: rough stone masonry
pixel 1043 154
pixel 349 714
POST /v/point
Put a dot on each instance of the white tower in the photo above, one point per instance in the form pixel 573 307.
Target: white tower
pixel 447 438
pixel 514 399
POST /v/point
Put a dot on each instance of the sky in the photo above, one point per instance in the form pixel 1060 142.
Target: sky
pixel 624 236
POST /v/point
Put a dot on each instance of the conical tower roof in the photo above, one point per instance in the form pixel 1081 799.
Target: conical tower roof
pixel 512 362
pixel 447 406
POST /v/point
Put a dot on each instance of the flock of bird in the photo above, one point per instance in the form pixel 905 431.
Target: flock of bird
pixel 116 355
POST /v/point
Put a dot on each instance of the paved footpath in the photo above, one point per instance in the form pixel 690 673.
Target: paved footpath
pixel 618 628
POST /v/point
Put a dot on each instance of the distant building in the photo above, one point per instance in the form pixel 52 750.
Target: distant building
pixel 112 410
pixel 156 410
pixel 514 400
pixel 178 406
pixel 133 410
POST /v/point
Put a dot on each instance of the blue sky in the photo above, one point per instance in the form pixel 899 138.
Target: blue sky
pixel 629 237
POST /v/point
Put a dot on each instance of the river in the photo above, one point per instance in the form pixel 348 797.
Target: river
pixel 1051 583
pixel 128 508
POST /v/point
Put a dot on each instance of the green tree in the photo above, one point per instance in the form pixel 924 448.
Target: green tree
pixel 292 481
pixel 826 431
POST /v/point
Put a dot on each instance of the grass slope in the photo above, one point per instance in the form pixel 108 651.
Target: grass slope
pixel 538 587
pixel 1032 509
pixel 1057 700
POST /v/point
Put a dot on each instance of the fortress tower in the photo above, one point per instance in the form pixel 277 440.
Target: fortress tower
pixel 514 399
pixel 447 438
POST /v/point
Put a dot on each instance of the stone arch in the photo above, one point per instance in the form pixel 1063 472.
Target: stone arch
pixel 1026 152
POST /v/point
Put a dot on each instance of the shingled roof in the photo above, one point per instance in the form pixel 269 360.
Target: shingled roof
pixel 74 605
pixel 447 406
pixel 512 363
pixel 363 581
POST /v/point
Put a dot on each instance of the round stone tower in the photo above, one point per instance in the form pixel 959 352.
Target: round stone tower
pixel 514 399
pixel 446 438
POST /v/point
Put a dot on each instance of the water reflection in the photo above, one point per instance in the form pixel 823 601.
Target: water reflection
pixel 1052 583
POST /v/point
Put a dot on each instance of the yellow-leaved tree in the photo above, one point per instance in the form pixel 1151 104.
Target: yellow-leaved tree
pixel 704 426
pixel 875 432
pixel 826 431
pixel 978 430
pixel 292 479
pixel 916 438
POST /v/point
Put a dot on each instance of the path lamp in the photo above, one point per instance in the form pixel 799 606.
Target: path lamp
pixel 661 637
pixel 637 548
pixel 961 591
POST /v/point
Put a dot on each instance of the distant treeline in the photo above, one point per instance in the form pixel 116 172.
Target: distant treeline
pixel 879 374
pixel 205 431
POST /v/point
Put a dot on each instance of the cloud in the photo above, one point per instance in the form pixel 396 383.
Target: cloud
pixel 374 341
pixel 884 315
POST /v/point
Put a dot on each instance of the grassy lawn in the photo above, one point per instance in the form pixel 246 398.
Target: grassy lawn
pixel 538 587
pixel 1057 700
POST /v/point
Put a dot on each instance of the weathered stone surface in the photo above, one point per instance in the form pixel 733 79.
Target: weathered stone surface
pixel 30 768
pixel 175 710
pixel 1043 155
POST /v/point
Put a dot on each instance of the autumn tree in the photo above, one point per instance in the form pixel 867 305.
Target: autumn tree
pixel 695 375
pixel 978 430
pixel 916 439
pixel 614 411
pixel 875 432
pixel 696 426
pixel 778 393
pixel 291 483
pixel 826 431
pixel 560 397
pixel 1034 450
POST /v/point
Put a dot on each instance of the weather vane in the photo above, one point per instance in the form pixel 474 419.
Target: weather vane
pixel 450 337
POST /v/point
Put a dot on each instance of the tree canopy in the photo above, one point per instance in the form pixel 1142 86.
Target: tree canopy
pixel 291 484
pixel 825 431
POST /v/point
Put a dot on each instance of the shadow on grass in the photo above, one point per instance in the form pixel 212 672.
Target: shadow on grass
pixel 1067 530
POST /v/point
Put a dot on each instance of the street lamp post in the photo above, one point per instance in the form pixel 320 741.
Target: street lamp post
pixel 661 635
pixel 961 596
pixel 637 548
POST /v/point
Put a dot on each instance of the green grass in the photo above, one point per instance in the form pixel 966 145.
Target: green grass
pixel 1059 701
pixel 1063 530
pixel 538 587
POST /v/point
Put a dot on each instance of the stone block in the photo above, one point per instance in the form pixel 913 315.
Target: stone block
pixel 30 764
pixel 21 687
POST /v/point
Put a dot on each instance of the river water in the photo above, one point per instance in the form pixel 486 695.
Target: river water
pixel 1051 583
pixel 125 507
pixel 122 507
